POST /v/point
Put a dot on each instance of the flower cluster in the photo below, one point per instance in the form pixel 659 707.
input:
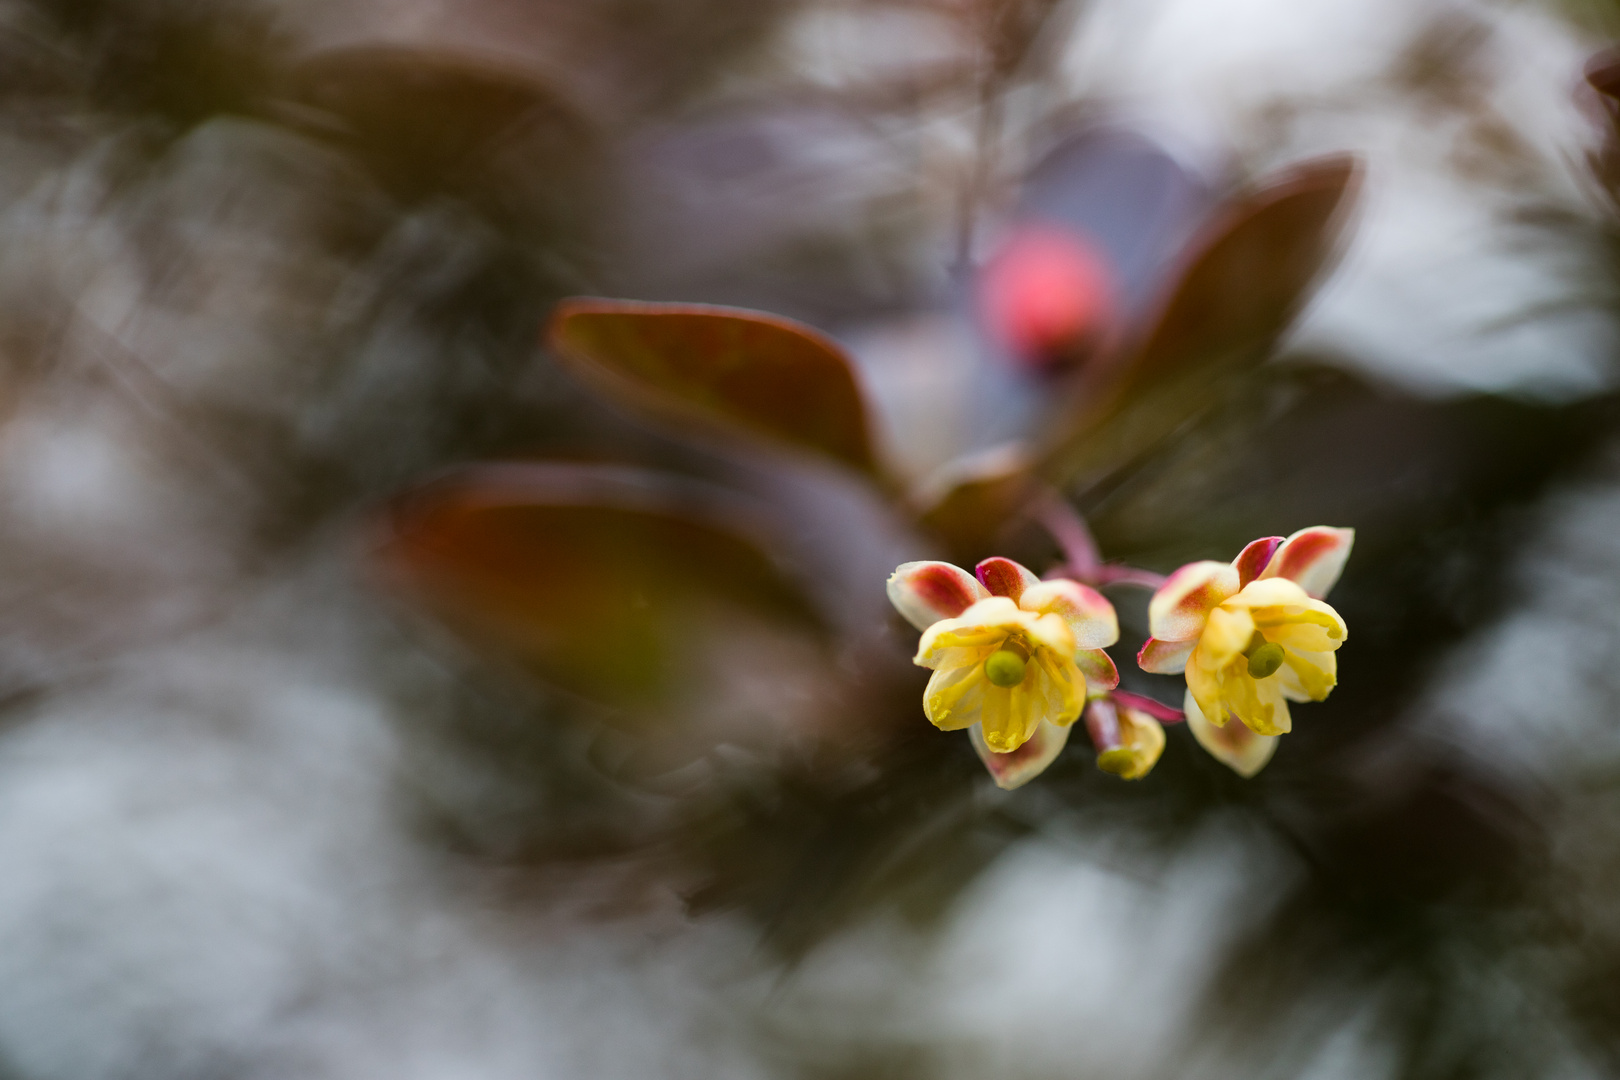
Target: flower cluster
pixel 1017 660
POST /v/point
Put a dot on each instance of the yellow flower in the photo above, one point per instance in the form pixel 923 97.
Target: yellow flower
pixel 1012 655
pixel 1251 636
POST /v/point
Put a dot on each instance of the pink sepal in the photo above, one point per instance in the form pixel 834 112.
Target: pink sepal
pixel 1178 610
pixel 1098 667
pixel 1165 657
pixel 927 592
pixel 1087 612
pixel 1254 559
pixel 1003 577
pixel 1313 558
pixel 1019 767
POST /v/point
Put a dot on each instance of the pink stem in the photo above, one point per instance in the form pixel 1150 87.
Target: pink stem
pixel 1082 561
pixel 1102 724
pixel 1165 714
pixel 1069 529
pixel 1109 574
pixel 1119 574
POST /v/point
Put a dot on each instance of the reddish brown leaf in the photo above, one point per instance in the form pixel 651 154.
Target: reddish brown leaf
pixel 731 369
pixel 1603 73
pixel 1239 292
pixel 1247 281
pixel 600 578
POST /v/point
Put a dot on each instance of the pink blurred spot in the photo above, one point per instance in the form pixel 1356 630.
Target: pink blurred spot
pixel 1046 294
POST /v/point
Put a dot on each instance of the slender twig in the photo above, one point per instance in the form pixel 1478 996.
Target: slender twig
pixel 986 137
pixel 1164 714
pixel 1082 559
pixel 1120 574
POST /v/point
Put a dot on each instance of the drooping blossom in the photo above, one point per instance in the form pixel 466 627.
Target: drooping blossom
pixel 1251 636
pixel 1014 658
pixel 1127 731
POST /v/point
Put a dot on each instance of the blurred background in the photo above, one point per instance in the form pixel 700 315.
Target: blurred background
pixel 381 698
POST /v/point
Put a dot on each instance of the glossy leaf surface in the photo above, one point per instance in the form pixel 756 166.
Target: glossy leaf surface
pixel 731 369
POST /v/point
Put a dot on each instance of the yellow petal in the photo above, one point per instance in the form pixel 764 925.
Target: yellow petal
pixel 1259 703
pixel 1225 637
pixel 1311 674
pixel 1270 592
pixel 1018 767
pixel 981 628
pixel 1205 685
pixel 1234 745
pixel 955 697
pixel 1090 616
pixel 997 610
pixel 1241 699
pixel 1007 718
pixel 1315 627
pixel 1058 687
pixel 1051 632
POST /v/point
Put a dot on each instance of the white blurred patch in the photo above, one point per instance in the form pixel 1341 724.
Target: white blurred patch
pixel 207 872
pixel 1069 957
pixel 1061 963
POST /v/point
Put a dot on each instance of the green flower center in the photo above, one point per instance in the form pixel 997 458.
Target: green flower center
pixel 1265 657
pixel 1005 668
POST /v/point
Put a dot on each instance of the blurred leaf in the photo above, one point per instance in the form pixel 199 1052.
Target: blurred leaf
pixel 973 512
pixel 599 577
pixel 722 368
pixel 421 117
pixel 183 62
pixel 1601 18
pixel 1603 75
pixel 1239 292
